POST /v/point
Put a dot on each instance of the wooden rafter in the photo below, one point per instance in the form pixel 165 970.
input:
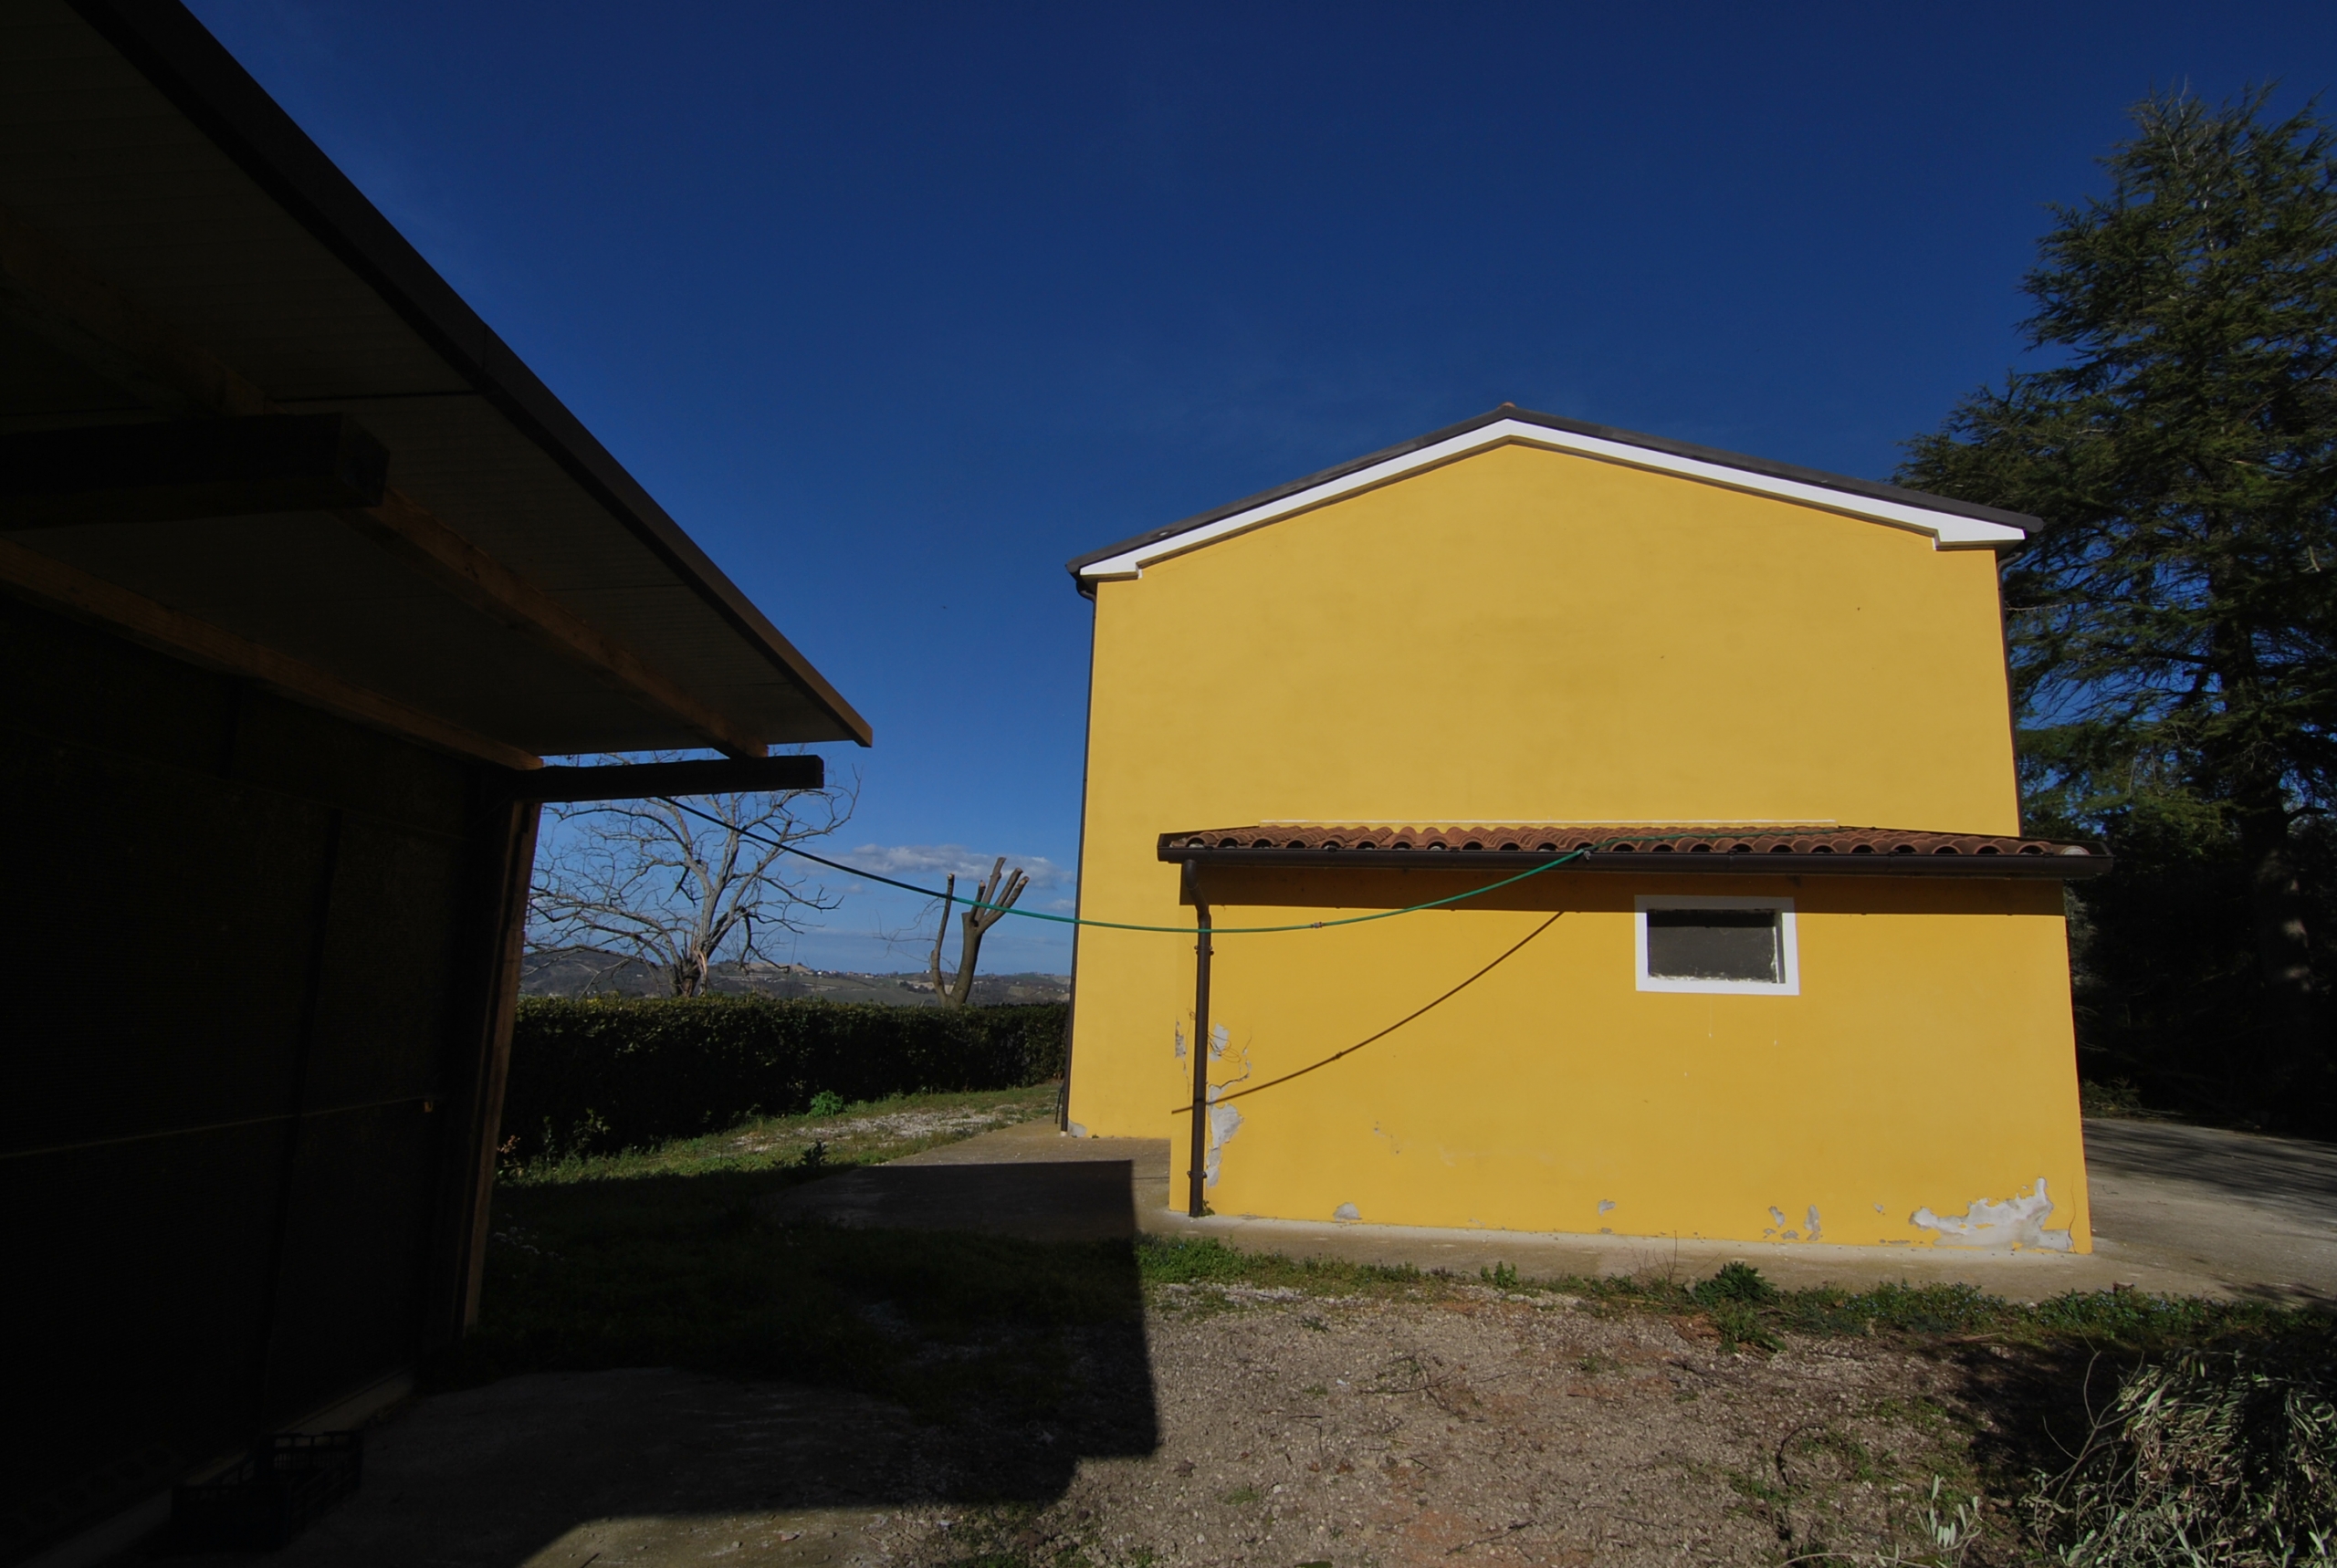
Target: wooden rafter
pixel 478 580
pixel 49 580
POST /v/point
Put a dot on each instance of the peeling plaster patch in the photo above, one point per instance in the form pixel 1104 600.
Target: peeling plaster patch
pixel 1077 1130
pixel 1777 1214
pixel 1813 1222
pixel 1347 1211
pixel 2015 1222
pixel 1878 1209
pixel 1180 1043
pixel 1606 1205
pixel 1224 1121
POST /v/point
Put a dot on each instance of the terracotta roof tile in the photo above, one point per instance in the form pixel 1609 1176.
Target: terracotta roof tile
pixel 1677 846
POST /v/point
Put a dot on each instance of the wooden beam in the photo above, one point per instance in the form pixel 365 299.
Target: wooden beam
pixel 471 574
pixel 645 780
pixel 482 1105
pixel 181 469
pixel 51 581
pixel 44 284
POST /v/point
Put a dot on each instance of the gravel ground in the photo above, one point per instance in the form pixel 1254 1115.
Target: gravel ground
pixel 1494 1428
pixel 1453 1424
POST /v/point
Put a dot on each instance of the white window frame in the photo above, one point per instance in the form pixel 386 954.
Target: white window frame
pixel 1788 945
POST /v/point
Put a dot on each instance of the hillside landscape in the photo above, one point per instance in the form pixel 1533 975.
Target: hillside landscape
pixel 589 971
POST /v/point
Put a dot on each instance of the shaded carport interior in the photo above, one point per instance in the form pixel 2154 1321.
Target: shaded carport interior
pixel 271 727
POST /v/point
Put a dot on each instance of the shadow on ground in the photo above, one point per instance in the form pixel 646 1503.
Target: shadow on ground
pixel 2289 1176
pixel 671 1367
pixel 1087 1201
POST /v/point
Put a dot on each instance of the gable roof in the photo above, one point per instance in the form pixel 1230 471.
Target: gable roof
pixel 1952 525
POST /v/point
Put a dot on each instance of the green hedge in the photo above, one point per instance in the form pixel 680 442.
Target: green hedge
pixel 595 1076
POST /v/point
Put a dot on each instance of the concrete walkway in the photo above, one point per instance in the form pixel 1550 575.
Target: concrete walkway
pixel 2177 1210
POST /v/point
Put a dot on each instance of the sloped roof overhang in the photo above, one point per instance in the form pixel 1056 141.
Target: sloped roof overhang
pixel 1951 525
pixel 1709 849
pixel 172 245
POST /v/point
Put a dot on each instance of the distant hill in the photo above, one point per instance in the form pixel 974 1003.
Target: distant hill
pixel 587 971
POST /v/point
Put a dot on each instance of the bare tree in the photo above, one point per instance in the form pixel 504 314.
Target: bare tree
pixel 989 907
pixel 658 885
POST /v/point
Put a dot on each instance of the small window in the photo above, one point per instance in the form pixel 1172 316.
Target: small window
pixel 1717 945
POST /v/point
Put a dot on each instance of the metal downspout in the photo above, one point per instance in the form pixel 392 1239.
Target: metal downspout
pixel 1195 1204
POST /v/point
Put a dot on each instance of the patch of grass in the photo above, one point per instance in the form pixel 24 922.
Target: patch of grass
pixel 1856 1463
pixel 843 1134
pixel 1205 1260
pixel 1750 1309
pixel 1737 1281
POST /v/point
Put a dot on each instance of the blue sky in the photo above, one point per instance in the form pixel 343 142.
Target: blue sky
pixel 896 307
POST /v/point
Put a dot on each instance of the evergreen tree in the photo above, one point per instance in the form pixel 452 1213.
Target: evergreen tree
pixel 2173 626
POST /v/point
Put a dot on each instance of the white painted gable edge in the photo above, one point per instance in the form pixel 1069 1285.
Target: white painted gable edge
pixel 1947 531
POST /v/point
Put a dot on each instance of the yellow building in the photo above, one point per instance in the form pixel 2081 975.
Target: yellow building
pixel 1785 968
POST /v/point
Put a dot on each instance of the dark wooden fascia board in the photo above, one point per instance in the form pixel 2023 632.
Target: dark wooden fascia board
pixel 649 780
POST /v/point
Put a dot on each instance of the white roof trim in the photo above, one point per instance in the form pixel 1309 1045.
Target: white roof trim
pixel 1948 530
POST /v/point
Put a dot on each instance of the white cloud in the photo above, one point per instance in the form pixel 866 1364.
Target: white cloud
pixel 933 861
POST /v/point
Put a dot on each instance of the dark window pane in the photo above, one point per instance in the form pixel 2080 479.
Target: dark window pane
pixel 1714 944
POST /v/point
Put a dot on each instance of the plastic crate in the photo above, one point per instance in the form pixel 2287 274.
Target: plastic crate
pixel 271 1495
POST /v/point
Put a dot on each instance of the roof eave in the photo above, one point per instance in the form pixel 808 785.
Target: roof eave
pixel 173 49
pixel 1640 862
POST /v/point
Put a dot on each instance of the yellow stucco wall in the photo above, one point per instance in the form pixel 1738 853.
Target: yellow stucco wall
pixel 1527 636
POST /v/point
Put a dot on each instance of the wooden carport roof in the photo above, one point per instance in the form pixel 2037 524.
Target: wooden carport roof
pixel 173 246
